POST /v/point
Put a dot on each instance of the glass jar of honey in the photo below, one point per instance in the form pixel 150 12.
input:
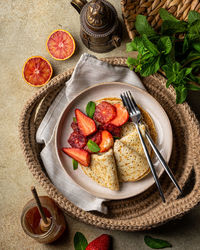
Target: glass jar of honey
pixel 32 222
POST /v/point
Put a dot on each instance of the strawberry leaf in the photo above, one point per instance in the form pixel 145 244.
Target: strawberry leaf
pixel 80 242
pixel 156 243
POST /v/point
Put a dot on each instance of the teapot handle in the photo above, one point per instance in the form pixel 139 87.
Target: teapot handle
pixel 116 40
pixel 78 4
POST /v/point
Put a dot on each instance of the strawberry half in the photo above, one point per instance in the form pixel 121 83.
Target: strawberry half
pixel 80 155
pixel 86 125
pixel 103 242
pixel 106 141
pixel 122 115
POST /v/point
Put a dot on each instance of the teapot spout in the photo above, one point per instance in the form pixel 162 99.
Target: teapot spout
pixel 78 4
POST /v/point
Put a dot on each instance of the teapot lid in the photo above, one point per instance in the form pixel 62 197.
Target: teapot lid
pixel 98 16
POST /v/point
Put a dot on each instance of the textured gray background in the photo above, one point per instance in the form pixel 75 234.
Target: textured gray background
pixel 24 28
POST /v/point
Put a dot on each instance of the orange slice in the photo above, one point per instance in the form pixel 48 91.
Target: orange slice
pixel 37 71
pixel 60 44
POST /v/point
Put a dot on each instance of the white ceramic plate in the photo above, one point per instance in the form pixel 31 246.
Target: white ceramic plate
pixel 113 89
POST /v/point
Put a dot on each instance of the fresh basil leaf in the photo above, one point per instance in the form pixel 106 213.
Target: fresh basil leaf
pixel 80 242
pixel 143 27
pixel 165 44
pixel 90 109
pixel 156 243
pixel 149 45
pixel 74 119
pixel 93 146
pixel 166 16
pixel 193 16
pixel 75 164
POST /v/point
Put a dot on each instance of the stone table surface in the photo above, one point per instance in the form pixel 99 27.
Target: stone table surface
pixel 24 28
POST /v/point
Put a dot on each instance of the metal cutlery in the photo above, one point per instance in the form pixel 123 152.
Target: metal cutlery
pixel 136 117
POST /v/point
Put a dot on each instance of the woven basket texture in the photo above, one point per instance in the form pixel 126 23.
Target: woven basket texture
pixel 145 210
pixel 150 8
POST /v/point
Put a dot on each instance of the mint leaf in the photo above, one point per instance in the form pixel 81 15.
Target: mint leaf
pixel 169 27
pixel 181 94
pixel 74 119
pixel 166 16
pixel 194 31
pixel 193 16
pixel 149 45
pixel 80 242
pixel 156 243
pixel 90 109
pixel 193 87
pixel 131 46
pixel 93 146
pixel 165 44
pixel 75 164
pixel 150 67
pixel 196 46
pixel 143 27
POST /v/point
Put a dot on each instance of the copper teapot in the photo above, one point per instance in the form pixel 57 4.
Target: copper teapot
pixel 101 30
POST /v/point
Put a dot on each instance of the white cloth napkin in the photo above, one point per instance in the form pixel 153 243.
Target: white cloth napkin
pixel 88 71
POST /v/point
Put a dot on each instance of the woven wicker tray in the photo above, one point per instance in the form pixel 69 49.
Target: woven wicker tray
pixel 150 8
pixel 145 210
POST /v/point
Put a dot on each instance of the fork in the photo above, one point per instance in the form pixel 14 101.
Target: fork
pixel 127 101
pixel 136 116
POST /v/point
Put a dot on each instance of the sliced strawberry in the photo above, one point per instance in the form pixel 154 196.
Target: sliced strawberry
pixel 122 115
pixel 106 141
pixel 103 242
pixel 104 112
pixel 86 125
pixel 77 140
pixel 114 130
pixel 80 155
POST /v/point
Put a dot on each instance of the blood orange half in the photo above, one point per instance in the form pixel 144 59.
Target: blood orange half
pixel 37 71
pixel 60 44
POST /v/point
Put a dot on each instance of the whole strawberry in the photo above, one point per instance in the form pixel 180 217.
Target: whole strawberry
pixel 100 243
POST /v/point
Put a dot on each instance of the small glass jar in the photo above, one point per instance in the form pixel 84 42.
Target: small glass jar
pixel 31 220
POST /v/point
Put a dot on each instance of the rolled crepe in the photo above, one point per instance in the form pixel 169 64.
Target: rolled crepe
pixel 131 138
pixel 131 166
pixel 103 170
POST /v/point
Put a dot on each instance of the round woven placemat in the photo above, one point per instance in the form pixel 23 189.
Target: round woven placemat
pixel 145 210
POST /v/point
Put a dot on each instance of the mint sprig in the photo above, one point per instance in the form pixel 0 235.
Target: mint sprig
pixel 178 57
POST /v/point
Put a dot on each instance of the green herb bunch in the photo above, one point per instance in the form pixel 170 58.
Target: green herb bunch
pixel 175 49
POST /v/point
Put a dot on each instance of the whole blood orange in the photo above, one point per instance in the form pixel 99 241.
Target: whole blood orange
pixel 60 44
pixel 37 71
